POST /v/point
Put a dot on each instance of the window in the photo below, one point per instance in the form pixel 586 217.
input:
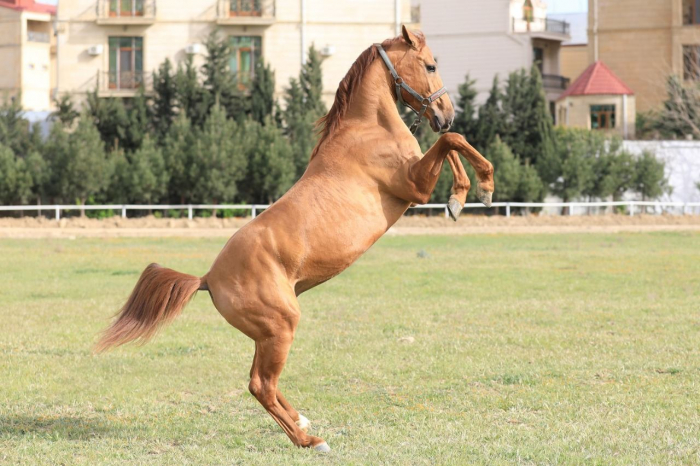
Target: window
pixel 245 53
pixel 691 62
pixel 538 58
pixel 528 13
pixel 602 116
pixel 691 12
pixel 245 8
pixel 125 8
pixel 125 62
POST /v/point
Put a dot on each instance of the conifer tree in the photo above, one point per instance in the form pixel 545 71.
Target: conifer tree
pixel 145 179
pixel 262 93
pixel 15 179
pixel 14 128
pixel 221 159
pixel 192 98
pixel 164 98
pixel 219 81
pixel 65 111
pixel 491 119
pixel 466 121
pixel 110 118
pixel 650 180
pixel 180 160
pixel 139 122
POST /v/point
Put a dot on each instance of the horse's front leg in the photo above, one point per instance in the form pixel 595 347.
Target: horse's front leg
pixel 422 175
pixel 482 167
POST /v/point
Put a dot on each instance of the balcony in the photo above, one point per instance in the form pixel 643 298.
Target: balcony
pixel 126 12
pixel 122 83
pixel 543 28
pixel 555 82
pixel 245 12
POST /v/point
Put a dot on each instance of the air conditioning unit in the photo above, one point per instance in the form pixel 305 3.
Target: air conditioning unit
pixel 328 50
pixel 193 49
pixel 95 50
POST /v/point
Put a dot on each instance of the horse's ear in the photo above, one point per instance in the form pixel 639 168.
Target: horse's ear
pixel 409 37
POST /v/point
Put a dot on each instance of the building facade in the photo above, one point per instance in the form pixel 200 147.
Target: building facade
pixel 646 43
pixel 485 38
pixel 115 45
pixel 599 101
pixel 27 52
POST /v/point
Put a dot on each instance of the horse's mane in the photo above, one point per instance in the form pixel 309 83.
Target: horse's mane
pixel 328 124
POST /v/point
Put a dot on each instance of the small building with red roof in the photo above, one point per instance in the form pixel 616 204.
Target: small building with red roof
pixel 598 100
pixel 27 52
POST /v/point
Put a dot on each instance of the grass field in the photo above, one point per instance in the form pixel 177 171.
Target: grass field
pixel 549 349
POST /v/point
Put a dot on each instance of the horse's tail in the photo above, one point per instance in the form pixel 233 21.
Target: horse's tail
pixel 158 297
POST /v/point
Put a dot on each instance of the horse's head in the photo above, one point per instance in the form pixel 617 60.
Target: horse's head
pixel 418 68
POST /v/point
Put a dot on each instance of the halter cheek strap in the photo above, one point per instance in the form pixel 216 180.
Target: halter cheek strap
pixel 399 84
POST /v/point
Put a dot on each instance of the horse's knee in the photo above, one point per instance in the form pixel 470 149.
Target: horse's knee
pixel 255 387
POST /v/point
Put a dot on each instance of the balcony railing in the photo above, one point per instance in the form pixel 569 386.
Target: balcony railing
pixel 553 81
pixel 254 12
pixel 124 83
pixel 36 36
pixel 552 26
pixel 126 11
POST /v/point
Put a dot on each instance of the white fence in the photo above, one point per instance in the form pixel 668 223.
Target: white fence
pixel 573 208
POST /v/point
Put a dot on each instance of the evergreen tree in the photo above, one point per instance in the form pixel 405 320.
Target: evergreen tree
pixel 304 106
pixel 110 118
pixel 650 180
pixel 221 159
pixel 506 170
pixel 164 98
pixel 65 111
pixel 529 128
pixel 144 178
pixel 219 81
pixel 14 128
pixel 466 121
pixel 15 179
pixel 40 175
pixel 568 169
pixel 262 93
pixel 192 98
pixel 139 120
pixel 491 121
pixel 271 170
pixel 85 171
pixel 311 82
pixel 55 154
pixel 180 160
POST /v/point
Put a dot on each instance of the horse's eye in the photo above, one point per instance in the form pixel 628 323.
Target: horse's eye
pixel 430 68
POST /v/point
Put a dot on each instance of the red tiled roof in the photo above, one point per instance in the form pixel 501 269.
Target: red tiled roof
pixel 28 5
pixel 598 79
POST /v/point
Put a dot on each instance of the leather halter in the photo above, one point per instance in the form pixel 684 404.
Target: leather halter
pixel 400 84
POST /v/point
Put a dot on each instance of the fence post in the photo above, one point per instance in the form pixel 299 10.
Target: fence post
pixel 58 213
pixel 571 209
pixel 447 212
pixel 508 209
pixel 189 212
pixel 685 208
pixel 253 211
pixel 631 206
pixel 123 211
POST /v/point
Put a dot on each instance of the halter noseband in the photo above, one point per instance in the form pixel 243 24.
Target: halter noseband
pixel 400 84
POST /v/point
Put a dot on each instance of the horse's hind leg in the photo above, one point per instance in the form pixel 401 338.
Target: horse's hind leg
pixel 300 420
pixel 270 357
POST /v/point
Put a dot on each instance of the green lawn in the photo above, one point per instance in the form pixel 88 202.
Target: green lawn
pixel 550 349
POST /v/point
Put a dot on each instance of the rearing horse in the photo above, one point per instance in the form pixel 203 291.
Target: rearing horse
pixel 364 173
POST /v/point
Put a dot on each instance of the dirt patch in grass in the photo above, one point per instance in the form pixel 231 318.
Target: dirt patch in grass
pixel 150 226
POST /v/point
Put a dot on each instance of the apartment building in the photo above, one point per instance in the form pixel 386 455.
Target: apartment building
pixel 114 45
pixel 27 52
pixel 645 43
pixel 489 37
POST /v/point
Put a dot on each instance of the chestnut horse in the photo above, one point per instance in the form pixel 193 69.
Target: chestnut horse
pixel 364 173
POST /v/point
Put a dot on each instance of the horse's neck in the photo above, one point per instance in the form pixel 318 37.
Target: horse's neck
pixel 374 101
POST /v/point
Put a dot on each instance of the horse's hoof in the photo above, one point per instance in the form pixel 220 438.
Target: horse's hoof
pixel 454 207
pixel 303 423
pixel 484 196
pixel 322 447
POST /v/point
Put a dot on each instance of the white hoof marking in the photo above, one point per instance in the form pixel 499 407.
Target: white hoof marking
pixel 303 423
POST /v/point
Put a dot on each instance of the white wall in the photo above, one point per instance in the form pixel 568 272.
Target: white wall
pixel 682 165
